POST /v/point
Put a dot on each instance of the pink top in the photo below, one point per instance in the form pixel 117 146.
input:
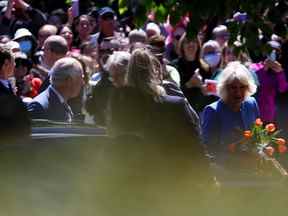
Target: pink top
pixel 270 83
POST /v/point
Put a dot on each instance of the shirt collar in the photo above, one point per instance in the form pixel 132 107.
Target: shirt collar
pixel 5 83
pixel 60 97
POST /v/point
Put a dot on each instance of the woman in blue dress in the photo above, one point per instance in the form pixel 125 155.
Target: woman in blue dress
pixel 224 120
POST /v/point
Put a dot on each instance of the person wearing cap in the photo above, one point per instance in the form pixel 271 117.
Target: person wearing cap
pixel 272 80
pixel 26 40
pixel 106 22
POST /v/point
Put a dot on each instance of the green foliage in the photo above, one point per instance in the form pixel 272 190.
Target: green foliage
pixel 263 16
pixel 68 2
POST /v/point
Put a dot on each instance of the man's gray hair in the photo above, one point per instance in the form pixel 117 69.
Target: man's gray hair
pixel 64 69
pixel 119 60
pixel 235 71
pixel 57 44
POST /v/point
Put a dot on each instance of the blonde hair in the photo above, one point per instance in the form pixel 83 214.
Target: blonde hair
pixel 144 73
pixel 235 71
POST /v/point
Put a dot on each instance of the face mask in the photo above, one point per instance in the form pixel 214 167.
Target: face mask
pixel 212 59
pixel 25 46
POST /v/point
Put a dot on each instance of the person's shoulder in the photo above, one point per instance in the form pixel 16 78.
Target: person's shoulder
pixel 171 68
pixel 173 99
pixel 42 95
pixel 36 110
pixel 43 98
pixel 250 100
pixel 172 88
pixel 256 66
pixel 213 106
pixel 94 37
pixel 174 62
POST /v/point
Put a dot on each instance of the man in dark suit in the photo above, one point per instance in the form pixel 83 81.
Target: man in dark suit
pixel 14 119
pixel 7 65
pixel 66 82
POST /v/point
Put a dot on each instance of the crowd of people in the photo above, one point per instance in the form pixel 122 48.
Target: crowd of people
pixel 154 83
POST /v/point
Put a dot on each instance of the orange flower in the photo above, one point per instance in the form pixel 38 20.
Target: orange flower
pixel 269 151
pixel 280 141
pixel 270 128
pixel 232 147
pixel 282 149
pixel 258 122
pixel 247 134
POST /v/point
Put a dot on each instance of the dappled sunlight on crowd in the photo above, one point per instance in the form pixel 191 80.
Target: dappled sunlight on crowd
pixel 183 99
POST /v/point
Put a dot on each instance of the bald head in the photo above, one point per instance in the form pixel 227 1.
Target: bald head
pixel 44 32
pixel 55 47
pixel 56 44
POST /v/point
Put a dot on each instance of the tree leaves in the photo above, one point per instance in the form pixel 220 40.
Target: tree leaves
pixel 264 17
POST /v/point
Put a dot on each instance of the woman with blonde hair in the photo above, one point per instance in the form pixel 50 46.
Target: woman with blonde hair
pixel 156 146
pixel 143 108
pixel 224 120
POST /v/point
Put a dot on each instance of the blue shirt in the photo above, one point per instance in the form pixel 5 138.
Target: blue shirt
pixel 221 126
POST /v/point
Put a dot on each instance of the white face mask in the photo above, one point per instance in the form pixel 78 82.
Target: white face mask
pixel 212 59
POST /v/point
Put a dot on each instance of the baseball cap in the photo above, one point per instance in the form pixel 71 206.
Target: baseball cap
pixel 106 11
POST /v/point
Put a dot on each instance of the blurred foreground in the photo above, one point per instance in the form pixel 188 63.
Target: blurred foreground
pixel 81 176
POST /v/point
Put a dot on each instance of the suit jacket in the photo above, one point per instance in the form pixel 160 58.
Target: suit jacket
pixel 4 90
pixel 166 120
pixel 15 123
pixel 45 84
pixel 47 105
pixel 221 126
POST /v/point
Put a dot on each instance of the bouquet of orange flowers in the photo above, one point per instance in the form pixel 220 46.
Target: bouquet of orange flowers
pixel 262 140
